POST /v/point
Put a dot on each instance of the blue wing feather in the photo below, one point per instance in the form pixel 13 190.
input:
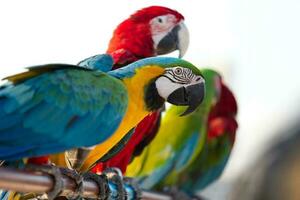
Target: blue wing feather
pixel 58 110
pixel 209 176
pixel 186 152
pixel 158 174
pixel 102 62
pixel 176 161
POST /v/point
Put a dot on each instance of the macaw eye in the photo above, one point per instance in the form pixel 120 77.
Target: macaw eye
pixel 160 20
pixel 178 71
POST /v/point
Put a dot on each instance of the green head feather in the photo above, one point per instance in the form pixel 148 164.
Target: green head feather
pixel 164 62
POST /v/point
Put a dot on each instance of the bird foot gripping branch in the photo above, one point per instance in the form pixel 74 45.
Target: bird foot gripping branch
pixel 59 185
pixel 119 185
pixel 55 173
pixel 61 182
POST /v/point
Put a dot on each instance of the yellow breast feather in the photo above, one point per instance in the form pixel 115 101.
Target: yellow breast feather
pixel 135 113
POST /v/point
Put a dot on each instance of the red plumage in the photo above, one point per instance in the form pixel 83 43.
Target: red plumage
pixel 41 160
pixel 131 41
pixel 132 38
pixel 222 117
pixel 146 130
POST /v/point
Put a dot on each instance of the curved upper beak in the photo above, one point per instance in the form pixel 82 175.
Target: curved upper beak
pixel 176 39
pixel 191 96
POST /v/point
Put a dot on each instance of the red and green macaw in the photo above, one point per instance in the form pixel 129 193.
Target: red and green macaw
pixel 220 139
pixel 151 31
pixel 190 152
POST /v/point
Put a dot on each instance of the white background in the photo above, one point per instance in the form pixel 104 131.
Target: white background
pixel 254 43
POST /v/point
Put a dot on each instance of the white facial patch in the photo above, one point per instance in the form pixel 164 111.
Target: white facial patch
pixel 160 26
pixel 175 78
pixel 165 86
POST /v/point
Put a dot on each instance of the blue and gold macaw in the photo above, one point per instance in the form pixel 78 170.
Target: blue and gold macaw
pixel 56 107
pixel 189 152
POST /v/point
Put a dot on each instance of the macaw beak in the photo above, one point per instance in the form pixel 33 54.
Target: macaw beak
pixel 191 96
pixel 176 39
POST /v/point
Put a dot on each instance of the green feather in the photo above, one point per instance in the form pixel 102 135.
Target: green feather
pixel 174 132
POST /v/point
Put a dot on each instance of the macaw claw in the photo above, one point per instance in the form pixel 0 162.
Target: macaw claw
pixel 77 178
pixel 55 173
pixel 102 183
pixel 114 175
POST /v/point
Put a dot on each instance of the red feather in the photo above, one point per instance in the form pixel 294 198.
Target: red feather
pixel 222 117
pixel 41 160
pixel 145 131
pixel 131 41
pixel 132 38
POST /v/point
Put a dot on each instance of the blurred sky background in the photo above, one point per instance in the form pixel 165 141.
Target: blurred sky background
pixel 254 43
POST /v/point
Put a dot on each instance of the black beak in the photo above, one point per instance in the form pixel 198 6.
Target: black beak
pixel 169 43
pixel 176 39
pixel 191 96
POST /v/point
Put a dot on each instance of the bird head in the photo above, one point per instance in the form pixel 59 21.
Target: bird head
pixel 151 31
pixel 164 79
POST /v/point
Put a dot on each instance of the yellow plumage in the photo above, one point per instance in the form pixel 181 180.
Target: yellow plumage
pixel 135 113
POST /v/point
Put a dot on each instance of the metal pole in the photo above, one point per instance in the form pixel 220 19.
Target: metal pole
pixel 28 181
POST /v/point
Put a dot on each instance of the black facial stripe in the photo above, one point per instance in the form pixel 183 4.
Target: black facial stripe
pixel 181 80
pixel 184 74
pixel 185 77
pixel 189 74
pixel 176 80
pixel 169 79
pixel 170 72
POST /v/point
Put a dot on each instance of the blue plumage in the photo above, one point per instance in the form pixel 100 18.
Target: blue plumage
pixel 57 110
pixel 103 62
pixel 52 108
pixel 4 194
pixel 186 151
pixel 147 182
pixel 176 161
pixel 208 177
